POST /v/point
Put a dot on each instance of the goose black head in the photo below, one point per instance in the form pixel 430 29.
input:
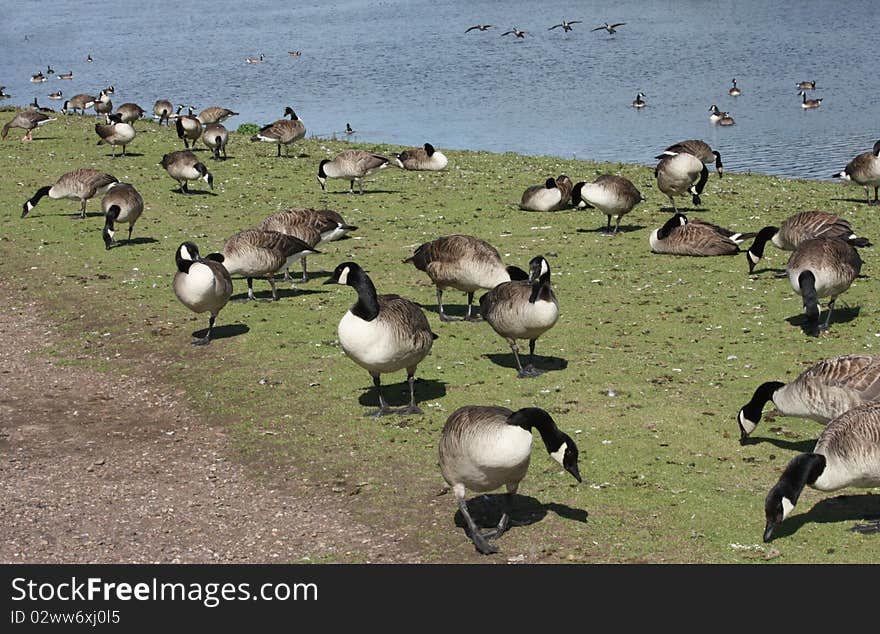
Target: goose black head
pixel 550 183
pixel 346 273
pixel 559 445
pixel 288 111
pixel 801 471
pixel 750 414
pixel 429 149
pixel 186 254
pixel 538 268
pixel 322 175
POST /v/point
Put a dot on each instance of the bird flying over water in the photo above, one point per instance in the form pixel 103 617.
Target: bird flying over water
pixel 611 28
pixel 566 26
pixel 516 32
pixel 480 27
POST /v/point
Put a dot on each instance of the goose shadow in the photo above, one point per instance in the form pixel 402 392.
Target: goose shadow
pixel 841 508
pixel 842 200
pixel 222 332
pixel 776 272
pixel 604 230
pixel 366 191
pixel 266 295
pixel 126 155
pixel 457 311
pixel 839 316
pixel 193 192
pixel 507 360
pixel 486 510
pixel 799 446
pixel 397 394
pixel 683 210
pixel 133 241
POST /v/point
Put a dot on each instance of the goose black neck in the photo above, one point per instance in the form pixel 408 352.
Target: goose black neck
pixel 367 305
pixel 764 235
pixel 807 284
pixel 704 176
pixel 802 470
pixel 534 417
pixel 754 408
pixel 664 231
pixel 541 288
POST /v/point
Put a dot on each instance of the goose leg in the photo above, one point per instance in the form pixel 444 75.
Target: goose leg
pixel 204 341
pixel 361 185
pixel 305 277
pixel 482 546
pixel 530 370
pixel 828 317
pixel 617 226
pixel 443 315
pixel 271 279
pixel 504 522
pixel 184 189
pixel 607 229
pixel 82 211
pixel 383 406
pixel 523 373
pixel 469 316
pixel 130 229
pixel 351 186
pixel 876 201
pixel 411 408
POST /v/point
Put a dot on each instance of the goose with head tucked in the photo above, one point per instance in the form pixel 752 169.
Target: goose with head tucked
pixel 257 253
pixel 610 194
pixel 553 195
pixel 80 184
pixel 864 170
pixel 422 159
pixel 201 284
pixel 122 203
pixel 352 165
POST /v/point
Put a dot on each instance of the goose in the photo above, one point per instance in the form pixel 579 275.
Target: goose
pixel 822 267
pixel 163 109
pixel 479 27
pixel 806 85
pixel 611 28
pixel 78 102
pixel 34 106
pixel 717 115
pixel 56 95
pixel 639 101
pixel 66 75
pixel 821 393
pixel 349 129
pixel 353 165
pixel 726 120
pixel 683 236
pixel 215 136
pixel 551 196
pixel 294 53
pixel 516 32
pixel 114 132
pixel 289 224
pixel 81 184
pixel 424 158
pixel 566 26
pixel 382 333
pixel 3 93
pixel 464 263
pixel 130 112
pixel 189 128
pixel 612 195
pixel 283 131
pixel 256 253
pixel 215 114
pixel 803 225
pixel 39 77
pixel 484 447
pixel 122 203
pixel 680 175
pixel 201 284
pixel 864 170
pixel 809 103
pixel 50 70
pixel 698 148
pixel 523 309
pixel 734 91
pixel 847 453
pixel 183 166
pixel 28 120
pixel 89 58
pixel 254 60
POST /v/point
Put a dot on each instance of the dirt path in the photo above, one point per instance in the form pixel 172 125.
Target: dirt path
pixel 97 468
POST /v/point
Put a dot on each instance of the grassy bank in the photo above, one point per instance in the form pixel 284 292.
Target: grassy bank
pixel 650 361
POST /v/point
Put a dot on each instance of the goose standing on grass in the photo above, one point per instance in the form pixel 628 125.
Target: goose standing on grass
pixel 290 224
pixel 80 184
pixel 680 175
pixel 804 225
pixel 822 392
pixel 809 103
pixel 184 166
pixel 683 236
pixel 382 333
pixel 846 454
pixel 215 136
pixel 201 284
pixel 822 267
pixel 523 309
pixel 163 109
pixel 422 159
pixel 103 104
pixel 734 91
pixel 256 253
pixel 282 132
pixel 698 148
pixel 78 102
pixel 130 112
pixel 639 101
pixel 189 128
pixel 553 195
pixel 115 132
pixel 864 170
pixel 28 120
pixel 352 165
pixel 215 114
pixel 485 447
pixel 612 195
pixel 122 203
pixel 464 263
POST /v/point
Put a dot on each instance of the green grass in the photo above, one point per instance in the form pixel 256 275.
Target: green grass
pixel 683 342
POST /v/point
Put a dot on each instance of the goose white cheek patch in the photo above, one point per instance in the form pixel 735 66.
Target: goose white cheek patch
pixel 559 454
pixel 787 506
pixel 343 277
pixel 544 269
pixel 746 424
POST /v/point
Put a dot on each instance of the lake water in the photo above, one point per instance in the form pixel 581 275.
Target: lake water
pixel 406 73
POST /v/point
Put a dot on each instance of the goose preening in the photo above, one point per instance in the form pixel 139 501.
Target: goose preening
pixel 28 120
pixel 352 165
pixel 698 148
pixel 201 284
pixel 56 95
pixel 163 109
pixel 103 104
pixel 485 447
pixel 464 263
pixel 283 131
pixel 80 184
pixel 189 128
pixel 479 27
pixel 566 26
pixel 806 85
pixel 115 132
pixel 680 175
pixel 864 170
pixel 78 102
pixel 382 333
pixel 639 101
pixel 611 28
pixel 215 136
pixel 255 60
pixel 821 393
pixel 38 78
pixel 516 32
pixel 551 196
pixel 424 158
pixel 523 309
pixel 184 166
pixel 803 225
pixel 847 453
pixel 823 267
pixel 130 112
pixel 257 253
pixel 612 195
pixel 719 117
pixel 683 236
pixel 734 91
pixel 121 203
pixel 809 103
pixel 66 75
pixel 215 114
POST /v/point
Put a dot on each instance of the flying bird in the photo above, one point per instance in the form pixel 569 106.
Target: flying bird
pixel 480 27
pixel 516 32
pixel 566 26
pixel 611 28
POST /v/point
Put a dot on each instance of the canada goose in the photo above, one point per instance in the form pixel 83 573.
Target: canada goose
pixel 806 85
pixel 130 112
pixel 56 95
pixel 464 263
pixel 294 53
pixel 864 170
pixel 50 70
pixel 480 27
pixel 726 120
pixel 114 132
pixel 39 77
pixel 485 447
pixel 103 105
pixel 216 136
pixel 183 166
pixel 516 32
pixel 422 159
pixel 803 225
pixel 122 203
pixel 89 58
pixel 3 93
pixel 698 148
pixel 349 129
pixel 809 103
pixel 163 109
pixel 254 60
pixel 81 184
pixel 821 393
pixel 189 128
pixel 612 195
pixel 566 26
pixel 35 107
pixel 717 114
pixel 353 165
pixel 822 267
pixel 256 253
pixel 78 102
pixel 215 114
pixel 201 284
pixel 847 453
pixel 683 236
pixel 523 309
pixel 680 175
pixel 66 75
pixel 551 196
pixel 611 28
pixel 283 131
pixel 293 225
pixel 639 101
pixel 734 91
pixel 27 120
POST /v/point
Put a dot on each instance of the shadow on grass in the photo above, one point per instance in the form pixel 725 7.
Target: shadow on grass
pixel 799 446
pixel 549 364
pixel 397 394
pixel 126 155
pixel 841 508
pixel 222 332
pixel 683 210
pixel 842 200
pixel 193 192
pixel 486 511
pixel 366 192
pixel 603 230
pixel 839 316
pixel 456 311
pixel 126 242
pixel 266 295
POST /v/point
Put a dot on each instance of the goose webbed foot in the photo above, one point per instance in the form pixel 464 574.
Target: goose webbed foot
pixel 529 372
pixel 204 341
pixel 499 530
pixel 445 317
pixel 482 545
pixel 382 411
pixel 473 318
pixel 409 409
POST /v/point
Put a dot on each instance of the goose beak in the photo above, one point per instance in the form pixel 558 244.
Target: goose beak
pixel 768 531
pixel 573 470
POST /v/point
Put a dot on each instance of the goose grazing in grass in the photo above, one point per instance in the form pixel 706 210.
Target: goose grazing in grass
pixel 352 165
pixel 683 236
pixel 130 112
pixel 809 103
pixel 847 453
pixel 201 284
pixel 282 132
pixel 464 263
pixel 553 195
pixel 28 120
pixel 821 393
pixel 639 101
pixel 382 333
pixel 122 203
pixel 215 114
pixel 215 136
pixel 115 132
pixel 734 91
pixel 189 128
pixel 78 102
pixel 523 309
pixel 612 195
pixel 864 170
pixel 163 110
pixel 485 447
pixel 698 148
pixel 256 253
pixel 184 166
pixel 421 159
pixel 680 175
pixel 80 184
